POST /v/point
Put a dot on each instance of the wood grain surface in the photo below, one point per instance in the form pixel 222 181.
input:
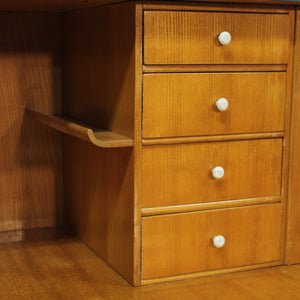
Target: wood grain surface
pixel 98 137
pixel 63 5
pixel 172 209
pixel 99 200
pixel 137 141
pixel 183 37
pixel 293 223
pixel 182 243
pixel 232 6
pixel 99 62
pixel 181 174
pixel 31 187
pixel 52 5
pixel 57 266
pixel 99 89
pixel 212 138
pixel 212 68
pixel 185 104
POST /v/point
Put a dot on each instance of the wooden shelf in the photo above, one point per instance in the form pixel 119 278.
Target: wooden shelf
pixel 98 137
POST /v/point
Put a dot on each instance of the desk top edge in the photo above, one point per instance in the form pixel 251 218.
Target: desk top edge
pixel 65 5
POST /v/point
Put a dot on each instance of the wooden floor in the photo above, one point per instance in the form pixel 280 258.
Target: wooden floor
pixel 55 265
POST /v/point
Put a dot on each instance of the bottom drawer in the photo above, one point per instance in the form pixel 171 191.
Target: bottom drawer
pixel 183 243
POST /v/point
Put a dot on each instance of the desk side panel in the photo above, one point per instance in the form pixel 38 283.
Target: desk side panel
pixel 293 223
pixel 99 89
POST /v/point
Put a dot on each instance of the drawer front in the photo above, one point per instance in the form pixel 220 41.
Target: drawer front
pixel 182 174
pixel 183 243
pixel 185 104
pixel 182 37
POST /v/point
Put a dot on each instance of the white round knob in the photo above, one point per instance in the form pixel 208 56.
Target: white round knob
pixel 219 241
pixel 222 104
pixel 217 172
pixel 224 38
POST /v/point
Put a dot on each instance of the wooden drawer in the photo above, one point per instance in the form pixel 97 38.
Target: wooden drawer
pixel 183 243
pixel 189 37
pixel 181 174
pixel 185 104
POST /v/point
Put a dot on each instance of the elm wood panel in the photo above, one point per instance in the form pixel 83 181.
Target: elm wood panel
pixel 182 243
pixel 99 200
pixel 293 224
pixel 99 138
pixel 99 67
pixel 58 266
pixel 185 104
pixel 182 37
pixel 181 174
pixel 31 183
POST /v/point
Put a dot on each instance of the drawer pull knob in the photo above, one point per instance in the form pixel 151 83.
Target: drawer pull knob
pixel 222 104
pixel 224 38
pixel 217 172
pixel 219 241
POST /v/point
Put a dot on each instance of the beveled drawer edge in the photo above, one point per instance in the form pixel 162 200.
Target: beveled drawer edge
pixel 212 68
pixel 274 8
pixel 163 210
pixel 207 273
pixel 212 138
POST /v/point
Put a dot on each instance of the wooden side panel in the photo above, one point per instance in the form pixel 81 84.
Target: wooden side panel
pixel 184 37
pixel 185 104
pixel 181 174
pixel 99 89
pixel 182 243
pixel 31 191
pixel 99 200
pixel 293 217
pixel 98 77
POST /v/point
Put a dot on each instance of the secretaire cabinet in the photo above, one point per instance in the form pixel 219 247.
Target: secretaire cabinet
pixel 164 134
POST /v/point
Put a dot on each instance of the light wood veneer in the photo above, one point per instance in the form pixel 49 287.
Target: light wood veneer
pixel 185 104
pixel 182 243
pixel 293 224
pixel 142 78
pixel 181 174
pixel 183 37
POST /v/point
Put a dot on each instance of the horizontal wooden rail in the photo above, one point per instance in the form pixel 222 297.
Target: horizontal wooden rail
pixel 152 211
pixel 212 68
pixel 98 137
pixel 212 138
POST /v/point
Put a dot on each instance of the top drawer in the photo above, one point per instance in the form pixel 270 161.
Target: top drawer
pixel 187 37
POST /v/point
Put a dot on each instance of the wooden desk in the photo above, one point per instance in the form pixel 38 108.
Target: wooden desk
pixel 172 142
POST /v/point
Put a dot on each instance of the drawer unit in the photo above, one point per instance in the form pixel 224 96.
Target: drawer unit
pixel 182 174
pixel 191 37
pixel 178 119
pixel 183 243
pixel 186 104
